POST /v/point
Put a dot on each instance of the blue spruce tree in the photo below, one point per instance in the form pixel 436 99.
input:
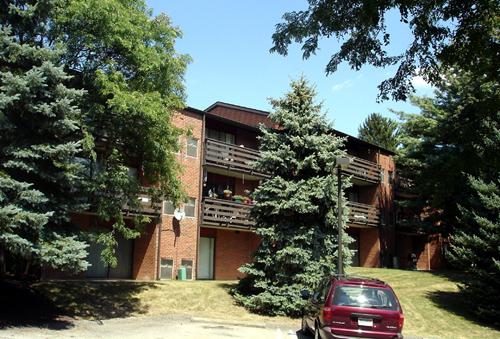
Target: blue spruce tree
pixel 295 213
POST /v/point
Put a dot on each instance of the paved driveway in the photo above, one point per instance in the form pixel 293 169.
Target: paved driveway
pixel 155 327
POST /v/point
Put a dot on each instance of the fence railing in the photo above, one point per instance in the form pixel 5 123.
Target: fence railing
pixel 231 157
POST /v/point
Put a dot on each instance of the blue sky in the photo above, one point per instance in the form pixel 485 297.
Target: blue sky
pixel 229 43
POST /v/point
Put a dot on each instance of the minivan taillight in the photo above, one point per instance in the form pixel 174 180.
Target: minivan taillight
pixel 327 314
pixel 401 321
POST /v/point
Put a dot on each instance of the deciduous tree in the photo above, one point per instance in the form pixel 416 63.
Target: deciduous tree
pixel 458 33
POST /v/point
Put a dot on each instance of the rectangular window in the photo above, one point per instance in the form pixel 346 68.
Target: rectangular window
pixel 192 147
pixel 190 207
pixel 365 297
pixel 168 207
pixel 166 268
pixel 188 264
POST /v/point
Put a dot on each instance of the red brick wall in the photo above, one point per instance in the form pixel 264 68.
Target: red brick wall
pixel 232 249
pixel 427 248
pixel 145 255
pixel 369 247
pixel 179 240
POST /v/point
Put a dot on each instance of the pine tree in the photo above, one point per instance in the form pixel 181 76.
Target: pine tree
pixel 295 212
pixel 40 138
pixel 380 131
pixel 476 248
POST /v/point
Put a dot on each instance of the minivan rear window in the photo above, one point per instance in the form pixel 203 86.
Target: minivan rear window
pixel 366 297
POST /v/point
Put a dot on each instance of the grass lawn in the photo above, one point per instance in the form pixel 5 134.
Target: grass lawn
pixel 431 304
pixel 430 301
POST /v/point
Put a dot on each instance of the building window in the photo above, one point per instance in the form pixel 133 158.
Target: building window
pixel 221 136
pixel 190 207
pixel 188 264
pixel 168 207
pixel 166 268
pixel 192 147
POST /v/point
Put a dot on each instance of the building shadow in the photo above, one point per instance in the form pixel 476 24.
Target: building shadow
pixel 456 302
pixel 55 304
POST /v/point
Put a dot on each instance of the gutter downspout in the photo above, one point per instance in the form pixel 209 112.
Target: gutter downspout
pixel 200 203
pixel 158 246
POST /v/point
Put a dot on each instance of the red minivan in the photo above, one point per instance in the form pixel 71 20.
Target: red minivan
pixel 353 307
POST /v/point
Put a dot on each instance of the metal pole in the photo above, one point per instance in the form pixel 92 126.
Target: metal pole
pixel 339 220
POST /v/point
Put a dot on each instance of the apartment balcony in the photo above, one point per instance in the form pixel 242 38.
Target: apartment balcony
pixel 232 160
pixel 226 214
pixel 363 215
pixel 146 207
pixel 364 171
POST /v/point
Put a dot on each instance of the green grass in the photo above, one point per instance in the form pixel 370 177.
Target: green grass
pixel 432 305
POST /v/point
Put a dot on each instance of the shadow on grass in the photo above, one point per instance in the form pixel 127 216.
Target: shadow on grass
pixel 55 304
pixel 456 302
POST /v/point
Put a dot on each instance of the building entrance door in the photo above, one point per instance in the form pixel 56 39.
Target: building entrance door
pixel 206 258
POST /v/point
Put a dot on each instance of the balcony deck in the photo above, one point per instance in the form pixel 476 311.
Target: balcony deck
pixel 364 170
pixel 146 207
pixel 231 157
pixel 363 215
pixel 226 214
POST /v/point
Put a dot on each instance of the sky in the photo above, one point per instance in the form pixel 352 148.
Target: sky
pixel 229 44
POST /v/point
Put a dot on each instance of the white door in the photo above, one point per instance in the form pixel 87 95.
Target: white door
pixel 206 258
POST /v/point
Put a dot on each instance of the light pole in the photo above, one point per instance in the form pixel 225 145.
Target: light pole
pixel 341 163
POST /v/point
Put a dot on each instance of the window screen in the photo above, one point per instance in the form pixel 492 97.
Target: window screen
pixel 166 268
pixel 192 147
pixel 190 207
pixel 168 207
pixel 221 136
pixel 188 264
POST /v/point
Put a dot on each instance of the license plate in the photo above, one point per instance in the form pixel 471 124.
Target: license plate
pixel 365 322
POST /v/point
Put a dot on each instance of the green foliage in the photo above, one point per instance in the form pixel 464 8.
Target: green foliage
pixel 475 248
pixel 461 33
pixel 40 137
pixel 125 62
pixel 456 134
pixel 295 212
pixel 380 131
pixel 125 59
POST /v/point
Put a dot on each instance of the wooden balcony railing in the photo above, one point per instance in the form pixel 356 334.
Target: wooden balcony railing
pixel 226 214
pixel 363 214
pixel 146 207
pixel 364 170
pixel 231 157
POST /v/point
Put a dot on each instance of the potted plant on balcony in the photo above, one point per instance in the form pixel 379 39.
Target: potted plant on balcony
pixel 239 198
pixel 227 193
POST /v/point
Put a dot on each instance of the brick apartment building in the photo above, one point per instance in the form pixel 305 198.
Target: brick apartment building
pixel 216 236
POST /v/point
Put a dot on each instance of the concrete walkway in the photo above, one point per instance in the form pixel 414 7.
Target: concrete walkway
pixel 155 327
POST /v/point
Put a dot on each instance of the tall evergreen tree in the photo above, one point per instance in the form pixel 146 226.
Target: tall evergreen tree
pixel 40 137
pixel 295 212
pixel 475 248
pixel 380 131
pixel 454 135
